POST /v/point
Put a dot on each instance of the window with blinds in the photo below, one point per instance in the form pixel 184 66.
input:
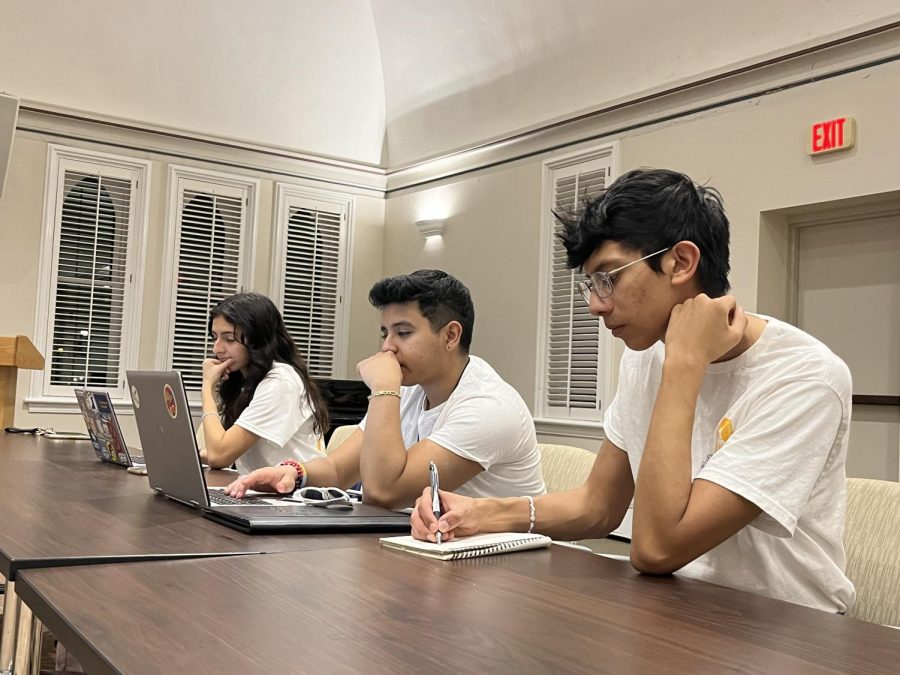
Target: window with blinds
pixel 211 228
pixel 309 258
pixel 90 281
pixel 91 235
pixel 575 341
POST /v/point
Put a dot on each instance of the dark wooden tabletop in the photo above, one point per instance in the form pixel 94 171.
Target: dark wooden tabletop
pixel 59 505
pixel 369 609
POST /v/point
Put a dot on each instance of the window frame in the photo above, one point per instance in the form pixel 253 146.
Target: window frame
pixel 288 195
pixel 181 178
pixel 44 397
pixel 556 419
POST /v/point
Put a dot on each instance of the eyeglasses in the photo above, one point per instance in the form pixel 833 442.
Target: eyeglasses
pixel 602 283
pixel 323 496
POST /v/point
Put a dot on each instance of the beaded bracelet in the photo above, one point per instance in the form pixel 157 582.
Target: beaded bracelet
pixel 384 392
pixel 531 514
pixel 301 472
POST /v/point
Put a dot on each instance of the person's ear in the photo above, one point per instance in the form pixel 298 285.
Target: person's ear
pixel 453 332
pixel 684 258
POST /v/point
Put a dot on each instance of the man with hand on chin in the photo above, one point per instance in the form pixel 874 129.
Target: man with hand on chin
pixel 728 429
pixel 430 401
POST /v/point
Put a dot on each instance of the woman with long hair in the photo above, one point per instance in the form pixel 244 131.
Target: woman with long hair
pixel 260 404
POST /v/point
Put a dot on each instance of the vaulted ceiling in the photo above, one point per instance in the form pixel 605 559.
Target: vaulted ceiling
pixel 388 82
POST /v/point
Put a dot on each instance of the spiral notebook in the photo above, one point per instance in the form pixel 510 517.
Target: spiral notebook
pixel 469 547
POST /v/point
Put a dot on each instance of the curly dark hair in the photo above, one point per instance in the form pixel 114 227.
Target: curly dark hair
pixel 646 210
pixel 260 328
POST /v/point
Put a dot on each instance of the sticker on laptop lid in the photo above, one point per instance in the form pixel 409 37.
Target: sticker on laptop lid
pixel 135 399
pixel 171 405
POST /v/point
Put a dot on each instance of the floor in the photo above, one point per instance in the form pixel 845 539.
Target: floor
pixel 48 646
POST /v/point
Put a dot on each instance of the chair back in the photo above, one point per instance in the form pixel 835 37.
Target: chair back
pixel 564 466
pixel 339 435
pixel 872 543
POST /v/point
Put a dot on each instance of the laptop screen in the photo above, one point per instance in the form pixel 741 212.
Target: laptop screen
pixel 103 427
pixel 167 436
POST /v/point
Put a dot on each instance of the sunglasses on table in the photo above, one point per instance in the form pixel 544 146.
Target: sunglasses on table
pixel 323 496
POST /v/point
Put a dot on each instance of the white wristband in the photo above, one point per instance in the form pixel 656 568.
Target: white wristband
pixel 531 517
pixel 204 415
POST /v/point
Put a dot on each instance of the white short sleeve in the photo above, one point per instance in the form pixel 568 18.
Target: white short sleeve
pixel 482 429
pixel 268 415
pixel 778 450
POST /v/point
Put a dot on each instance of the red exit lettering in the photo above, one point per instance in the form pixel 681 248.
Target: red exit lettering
pixel 835 134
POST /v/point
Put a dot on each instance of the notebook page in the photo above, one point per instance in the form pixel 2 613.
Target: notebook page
pixel 469 547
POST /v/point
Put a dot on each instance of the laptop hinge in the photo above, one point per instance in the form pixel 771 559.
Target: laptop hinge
pixel 159 491
pixel 195 504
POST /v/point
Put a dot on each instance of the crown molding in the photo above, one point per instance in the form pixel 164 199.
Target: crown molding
pixel 841 55
pixel 58 122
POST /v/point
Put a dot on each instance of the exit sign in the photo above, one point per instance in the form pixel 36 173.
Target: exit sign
pixel 831 135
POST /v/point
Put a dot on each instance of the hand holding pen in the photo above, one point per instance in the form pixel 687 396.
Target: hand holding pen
pixel 459 516
pixel 435 495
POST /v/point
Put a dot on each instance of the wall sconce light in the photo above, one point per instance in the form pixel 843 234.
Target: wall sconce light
pixel 431 228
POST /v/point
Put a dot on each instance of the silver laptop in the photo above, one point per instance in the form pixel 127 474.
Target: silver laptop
pixel 104 430
pixel 174 470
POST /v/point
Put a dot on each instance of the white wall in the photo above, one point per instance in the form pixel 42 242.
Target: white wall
pixel 460 72
pixel 333 77
pixel 752 151
pixel 302 75
pixel 490 244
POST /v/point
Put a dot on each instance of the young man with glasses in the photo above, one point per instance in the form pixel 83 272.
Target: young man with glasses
pixel 728 429
pixel 430 401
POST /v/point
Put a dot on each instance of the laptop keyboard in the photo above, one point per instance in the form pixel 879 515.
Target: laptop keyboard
pixel 219 497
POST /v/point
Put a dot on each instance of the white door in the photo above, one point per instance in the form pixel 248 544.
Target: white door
pixel 849 297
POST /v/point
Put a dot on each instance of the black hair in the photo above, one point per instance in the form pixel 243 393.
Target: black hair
pixel 647 210
pixel 442 298
pixel 260 328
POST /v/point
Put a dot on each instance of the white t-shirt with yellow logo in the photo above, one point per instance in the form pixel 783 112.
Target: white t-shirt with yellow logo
pixel 771 425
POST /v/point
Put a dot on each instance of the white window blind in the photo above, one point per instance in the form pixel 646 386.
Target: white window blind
pixel 309 284
pixel 575 341
pixel 211 223
pixel 90 281
pixel 92 227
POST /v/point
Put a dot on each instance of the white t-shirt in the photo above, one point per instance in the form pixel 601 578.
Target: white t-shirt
pixel 772 426
pixel 279 414
pixel 485 421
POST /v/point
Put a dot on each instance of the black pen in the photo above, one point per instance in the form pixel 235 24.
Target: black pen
pixel 435 496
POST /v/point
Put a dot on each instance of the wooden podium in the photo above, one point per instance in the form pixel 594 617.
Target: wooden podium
pixel 15 352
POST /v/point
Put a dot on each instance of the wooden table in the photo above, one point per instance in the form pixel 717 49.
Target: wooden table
pixel 59 506
pixel 368 609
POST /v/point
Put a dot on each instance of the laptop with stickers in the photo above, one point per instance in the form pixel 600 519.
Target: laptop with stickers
pixel 104 430
pixel 174 471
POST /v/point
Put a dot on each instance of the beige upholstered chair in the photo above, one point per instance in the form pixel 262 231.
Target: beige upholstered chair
pixel 565 467
pixel 339 435
pixel 872 541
